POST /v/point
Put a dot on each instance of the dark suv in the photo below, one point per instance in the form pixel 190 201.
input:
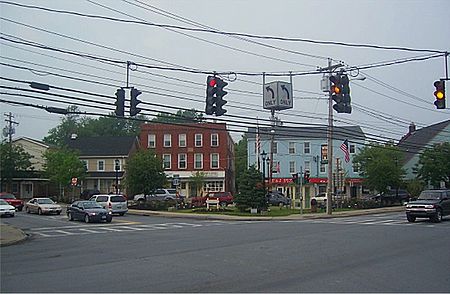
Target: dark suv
pixel 432 204
pixel 277 198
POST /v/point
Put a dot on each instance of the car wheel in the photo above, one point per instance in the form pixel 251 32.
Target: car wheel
pixel 39 211
pixel 86 218
pixel 410 218
pixel 70 216
pixel 27 210
pixel 58 213
pixel 438 217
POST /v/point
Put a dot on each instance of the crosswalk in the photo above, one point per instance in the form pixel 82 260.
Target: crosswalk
pixel 84 229
pixel 380 220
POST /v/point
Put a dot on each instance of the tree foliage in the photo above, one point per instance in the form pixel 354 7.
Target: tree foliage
pixel 144 173
pixel 240 158
pixel 14 161
pixel 381 166
pixel 434 165
pixel 252 194
pixel 197 179
pixel 84 126
pixel 182 116
pixel 62 165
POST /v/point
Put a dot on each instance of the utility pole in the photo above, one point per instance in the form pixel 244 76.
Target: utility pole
pixel 272 135
pixel 10 129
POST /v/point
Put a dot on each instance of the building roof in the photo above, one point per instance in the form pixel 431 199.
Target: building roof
pixel 103 146
pixel 416 140
pixel 34 141
pixel 339 133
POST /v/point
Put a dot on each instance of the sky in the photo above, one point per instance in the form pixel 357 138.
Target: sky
pixel 87 54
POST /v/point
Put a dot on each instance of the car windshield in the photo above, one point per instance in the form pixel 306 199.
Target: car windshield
pixel 172 191
pixel 3 202
pixel 45 201
pixel 91 204
pixel 430 195
pixel 8 196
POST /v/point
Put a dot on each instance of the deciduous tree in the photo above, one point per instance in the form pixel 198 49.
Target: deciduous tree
pixel 434 165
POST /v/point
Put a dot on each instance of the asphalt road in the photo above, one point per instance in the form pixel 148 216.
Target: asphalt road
pixel 372 253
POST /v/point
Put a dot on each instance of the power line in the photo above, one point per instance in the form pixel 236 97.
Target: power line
pixel 371 46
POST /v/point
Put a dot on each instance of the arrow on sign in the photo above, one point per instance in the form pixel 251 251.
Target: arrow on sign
pixel 269 89
pixel 283 87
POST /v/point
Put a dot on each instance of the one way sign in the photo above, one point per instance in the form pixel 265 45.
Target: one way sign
pixel 277 96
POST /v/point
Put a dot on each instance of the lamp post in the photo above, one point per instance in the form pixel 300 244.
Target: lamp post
pixel 117 168
pixel 263 156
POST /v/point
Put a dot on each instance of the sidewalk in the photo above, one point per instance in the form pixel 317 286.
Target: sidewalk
pixel 10 235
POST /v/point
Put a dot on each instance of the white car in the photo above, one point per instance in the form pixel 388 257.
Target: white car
pixel 115 203
pixel 42 206
pixel 6 209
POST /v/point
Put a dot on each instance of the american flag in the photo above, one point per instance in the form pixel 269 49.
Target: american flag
pixel 344 148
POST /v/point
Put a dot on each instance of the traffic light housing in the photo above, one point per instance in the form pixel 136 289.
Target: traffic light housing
pixel 306 176
pixel 120 102
pixel 340 93
pixel 439 93
pixel 295 178
pixel 214 96
pixel 134 102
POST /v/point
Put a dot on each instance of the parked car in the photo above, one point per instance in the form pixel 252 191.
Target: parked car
pixel 42 206
pixel 12 200
pixel 225 198
pixel 432 204
pixel 393 196
pixel 160 195
pixel 6 209
pixel 88 211
pixel 115 203
pixel 277 198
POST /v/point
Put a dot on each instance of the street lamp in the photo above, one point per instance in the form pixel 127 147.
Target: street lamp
pixel 117 168
pixel 263 156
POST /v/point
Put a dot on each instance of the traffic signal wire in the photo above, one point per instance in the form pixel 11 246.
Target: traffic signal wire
pixel 265 37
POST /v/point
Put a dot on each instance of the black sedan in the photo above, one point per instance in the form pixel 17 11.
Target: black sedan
pixel 88 211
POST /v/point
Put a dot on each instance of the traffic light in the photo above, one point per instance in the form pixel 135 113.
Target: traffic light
pixel 340 93
pixel 306 176
pixel 214 96
pixel 210 95
pixel 220 93
pixel 134 102
pixel 439 94
pixel 295 178
pixel 120 102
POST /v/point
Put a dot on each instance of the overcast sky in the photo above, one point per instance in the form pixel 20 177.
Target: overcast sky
pixel 384 104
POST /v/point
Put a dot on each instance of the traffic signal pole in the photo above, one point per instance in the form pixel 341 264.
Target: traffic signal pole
pixel 330 142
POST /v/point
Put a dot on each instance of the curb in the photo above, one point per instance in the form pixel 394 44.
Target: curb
pixel 14 235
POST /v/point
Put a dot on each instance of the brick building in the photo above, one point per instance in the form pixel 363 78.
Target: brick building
pixel 189 149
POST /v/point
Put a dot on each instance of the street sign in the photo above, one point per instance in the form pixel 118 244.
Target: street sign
pixel 73 181
pixel 277 96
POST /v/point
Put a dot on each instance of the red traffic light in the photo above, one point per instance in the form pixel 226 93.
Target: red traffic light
pixel 212 82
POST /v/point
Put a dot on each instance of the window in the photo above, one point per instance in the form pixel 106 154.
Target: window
pixel 307 165
pixel 198 161
pixel 167 158
pixel 167 140
pixel 198 140
pixel 322 168
pixel 291 147
pixel 355 167
pixel 101 165
pixel 291 167
pixel 276 167
pixel 151 141
pixel 352 148
pixel 307 148
pixel 182 140
pixel 214 160
pixel 275 147
pixel 214 140
pixel 182 161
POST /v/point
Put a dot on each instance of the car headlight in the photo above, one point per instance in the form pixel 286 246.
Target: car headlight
pixel 409 206
pixel 92 213
pixel 429 206
pixel 109 212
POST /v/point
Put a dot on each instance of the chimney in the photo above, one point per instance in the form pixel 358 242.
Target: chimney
pixel 412 128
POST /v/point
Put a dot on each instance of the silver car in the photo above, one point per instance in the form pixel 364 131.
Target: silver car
pixel 42 206
pixel 115 203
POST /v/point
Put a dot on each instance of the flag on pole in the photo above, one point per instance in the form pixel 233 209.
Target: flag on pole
pixel 344 148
